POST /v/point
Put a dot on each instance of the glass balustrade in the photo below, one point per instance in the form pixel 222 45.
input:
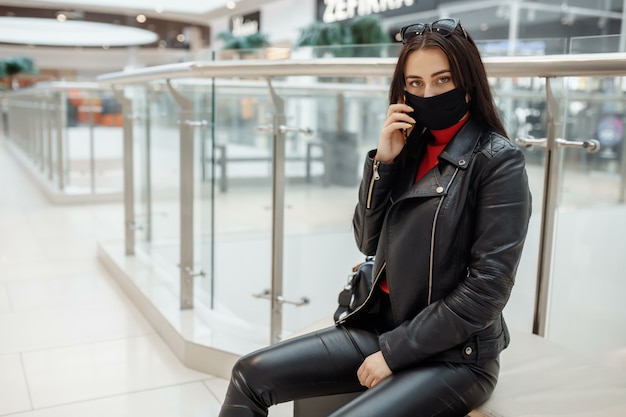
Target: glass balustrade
pixel 71 134
pixel 209 166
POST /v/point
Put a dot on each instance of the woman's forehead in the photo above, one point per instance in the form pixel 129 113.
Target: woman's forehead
pixel 426 63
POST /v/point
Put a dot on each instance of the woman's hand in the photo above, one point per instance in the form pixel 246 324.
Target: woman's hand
pixel 391 139
pixel 373 370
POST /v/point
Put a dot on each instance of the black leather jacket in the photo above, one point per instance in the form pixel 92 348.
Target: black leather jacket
pixel 449 246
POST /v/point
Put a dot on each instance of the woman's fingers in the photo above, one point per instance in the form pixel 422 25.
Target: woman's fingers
pixel 399 108
pixel 398 113
pixel 392 136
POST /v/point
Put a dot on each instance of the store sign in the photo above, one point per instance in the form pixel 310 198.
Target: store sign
pixel 246 25
pixel 338 10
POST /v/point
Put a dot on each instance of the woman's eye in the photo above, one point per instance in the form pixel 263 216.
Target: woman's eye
pixel 415 83
pixel 443 80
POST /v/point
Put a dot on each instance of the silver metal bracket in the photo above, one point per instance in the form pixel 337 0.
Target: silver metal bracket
pixel 194 274
pixel 591 145
pixel 134 226
pixel 285 129
pixel 194 123
pixel 191 273
pixel 267 294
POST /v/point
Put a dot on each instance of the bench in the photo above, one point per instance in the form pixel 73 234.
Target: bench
pixel 538 378
pixel 223 158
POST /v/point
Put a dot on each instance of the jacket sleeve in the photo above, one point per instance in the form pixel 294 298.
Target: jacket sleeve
pixel 374 200
pixel 503 209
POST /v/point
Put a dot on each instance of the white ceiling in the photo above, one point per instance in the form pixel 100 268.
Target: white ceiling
pixel 193 11
pixel 80 33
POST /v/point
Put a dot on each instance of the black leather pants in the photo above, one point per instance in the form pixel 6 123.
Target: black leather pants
pixel 325 362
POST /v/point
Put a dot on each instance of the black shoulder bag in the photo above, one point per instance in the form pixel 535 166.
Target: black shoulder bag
pixel 356 290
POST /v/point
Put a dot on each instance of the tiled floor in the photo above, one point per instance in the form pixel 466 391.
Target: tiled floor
pixel 71 343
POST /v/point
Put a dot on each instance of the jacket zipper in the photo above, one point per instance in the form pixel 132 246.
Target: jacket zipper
pixel 432 241
pixel 375 177
pixel 374 283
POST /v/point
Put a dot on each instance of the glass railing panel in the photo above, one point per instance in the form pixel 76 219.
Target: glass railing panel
pixel 93 149
pixel 140 119
pixel 241 169
pixel 593 108
pixel 522 47
pixel 157 170
pixel 46 120
pixel 346 119
pixel 58 120
pixel 595 44
pixel 345 115
pixel 108 148
pixel 321 171
pixel 67 138
pixel 200 118
pixel 322 175
pixel 586 309
pixel 522 103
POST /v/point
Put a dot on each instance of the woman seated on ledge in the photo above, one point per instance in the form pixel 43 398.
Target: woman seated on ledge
pixel 444 205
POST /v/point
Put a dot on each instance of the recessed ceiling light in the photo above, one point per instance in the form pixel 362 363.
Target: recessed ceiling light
pixel 141 18
pixel 231 5
pixel 51 32
pixel 61 17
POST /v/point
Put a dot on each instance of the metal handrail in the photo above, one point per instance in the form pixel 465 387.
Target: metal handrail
pixel 519 66
pixel 47 87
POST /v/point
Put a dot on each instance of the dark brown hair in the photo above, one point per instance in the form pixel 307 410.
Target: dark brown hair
pixel 466 66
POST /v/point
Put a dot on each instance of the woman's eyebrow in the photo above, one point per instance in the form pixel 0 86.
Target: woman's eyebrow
pixel 434 74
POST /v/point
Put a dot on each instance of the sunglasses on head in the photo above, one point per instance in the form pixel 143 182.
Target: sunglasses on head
pixel 444 27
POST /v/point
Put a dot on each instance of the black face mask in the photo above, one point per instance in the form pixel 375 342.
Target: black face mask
pixel 438 112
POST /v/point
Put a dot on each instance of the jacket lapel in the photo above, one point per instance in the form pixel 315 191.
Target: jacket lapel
pixel 457 154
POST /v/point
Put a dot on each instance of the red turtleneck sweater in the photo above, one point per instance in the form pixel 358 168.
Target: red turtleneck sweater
pixel 431 159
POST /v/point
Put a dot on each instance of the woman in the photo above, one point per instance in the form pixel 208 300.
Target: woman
pixel 444 205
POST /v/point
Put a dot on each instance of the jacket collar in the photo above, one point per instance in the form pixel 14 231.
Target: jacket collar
pixel 459 151
pixel 457 154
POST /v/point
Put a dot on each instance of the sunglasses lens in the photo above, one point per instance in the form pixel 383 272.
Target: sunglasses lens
pixel 444 27
pixel 412 31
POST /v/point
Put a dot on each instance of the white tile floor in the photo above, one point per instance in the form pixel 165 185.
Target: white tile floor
pixel 71 343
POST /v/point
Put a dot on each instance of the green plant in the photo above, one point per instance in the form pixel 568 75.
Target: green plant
pixel 334 37
pixel 13 65
pixel 253 41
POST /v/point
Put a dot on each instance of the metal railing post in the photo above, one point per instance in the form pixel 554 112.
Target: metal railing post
pixel 187 161
pixel 49 142
pixel 622 186
pixel 147 169
pixel 278 214
pixel 40 106
pixel 129 176
pixel 60 156
pixel 548 216
pixel 92 144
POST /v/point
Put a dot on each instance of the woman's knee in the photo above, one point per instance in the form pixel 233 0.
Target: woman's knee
pixel 245 371
pixel 249 381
